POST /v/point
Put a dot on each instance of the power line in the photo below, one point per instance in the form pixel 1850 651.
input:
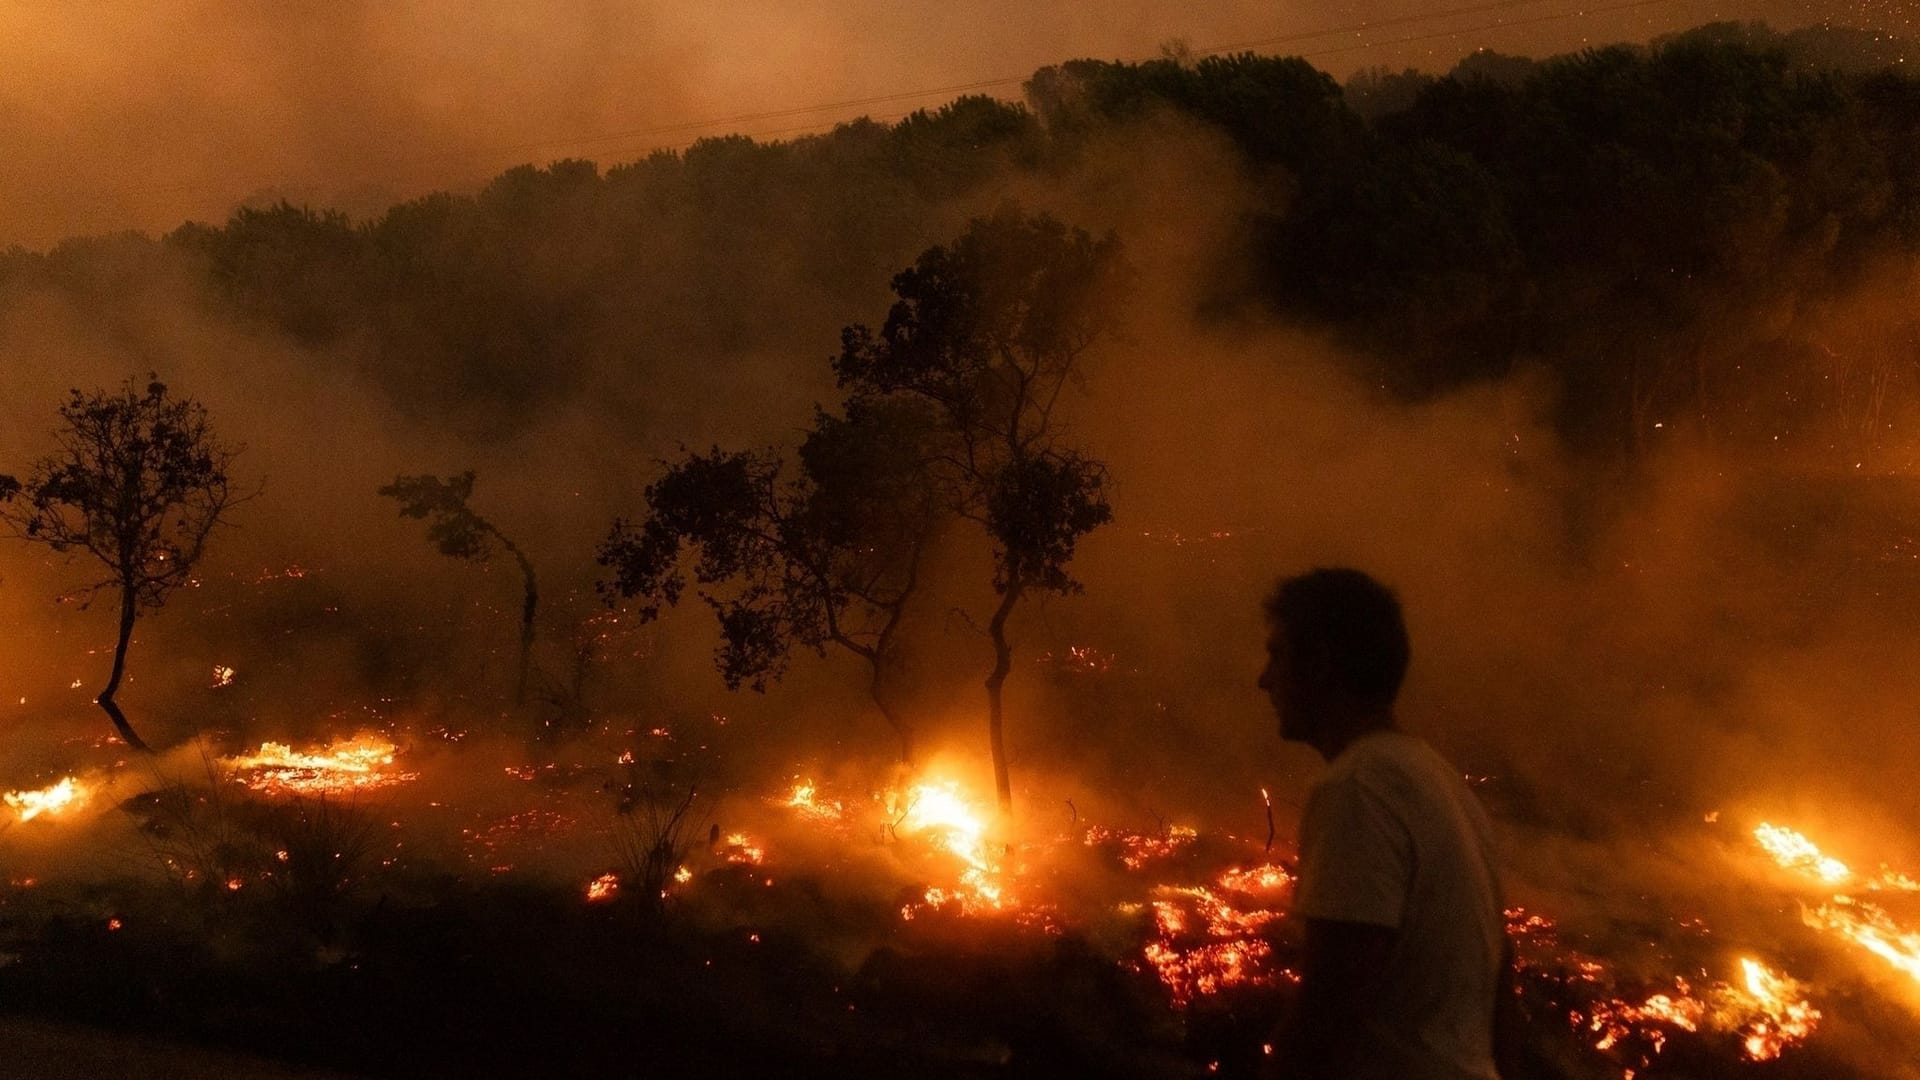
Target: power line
pixel 1009 80
pixel 1211 50
pixel 958 88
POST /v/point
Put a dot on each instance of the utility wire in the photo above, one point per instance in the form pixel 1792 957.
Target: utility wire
pixel 967 87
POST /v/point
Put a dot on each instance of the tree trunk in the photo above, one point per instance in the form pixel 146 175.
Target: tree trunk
pixel 128 611
pixel 527 610
pixel 894 720
pixel 1002 665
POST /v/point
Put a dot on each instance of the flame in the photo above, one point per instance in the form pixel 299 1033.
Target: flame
pixel 739 849
pixel 941 812
pixel 1766 1011
pixel 1868 926
pixel 1785 1015
pixel 805 798
pixel 602 888
pixel 54 800
pixel 1872 929
pixel 344 767
pixel 1795 852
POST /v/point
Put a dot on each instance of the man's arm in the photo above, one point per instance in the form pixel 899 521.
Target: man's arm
pixel 1339 975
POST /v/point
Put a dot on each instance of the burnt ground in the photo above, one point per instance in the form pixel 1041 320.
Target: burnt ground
pixel 511 980
pixel 440 978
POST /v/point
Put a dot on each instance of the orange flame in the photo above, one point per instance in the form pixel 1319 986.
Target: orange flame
pixel 1784 1015
pixel 940 811
pixel 1868 926
pixel 805 798
pixel 347 766
pixel 602 888
pixel 54 800
pixel 1795 852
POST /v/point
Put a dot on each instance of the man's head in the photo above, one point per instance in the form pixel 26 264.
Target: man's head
pixel 1336 653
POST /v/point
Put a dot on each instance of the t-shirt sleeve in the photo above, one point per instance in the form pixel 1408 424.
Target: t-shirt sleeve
pixel 1356 857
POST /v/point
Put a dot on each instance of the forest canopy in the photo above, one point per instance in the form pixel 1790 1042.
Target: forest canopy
pixel 1670 231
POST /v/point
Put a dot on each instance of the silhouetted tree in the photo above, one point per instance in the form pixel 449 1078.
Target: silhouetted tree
pixel 990 331
pixel 138 483
pixel 831 555
pixel 460 533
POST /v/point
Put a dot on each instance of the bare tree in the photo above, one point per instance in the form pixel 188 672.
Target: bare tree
pixel 138 483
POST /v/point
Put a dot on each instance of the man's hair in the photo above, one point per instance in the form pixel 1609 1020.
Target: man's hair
pixel 1354 619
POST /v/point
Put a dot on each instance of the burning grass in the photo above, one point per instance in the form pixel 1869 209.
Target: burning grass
pixel 1865 925
pixel 1188 922
pixel 363 762
pixel 54 800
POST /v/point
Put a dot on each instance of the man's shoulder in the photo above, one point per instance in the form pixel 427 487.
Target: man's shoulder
pixel 1394 766
pixel 1384 754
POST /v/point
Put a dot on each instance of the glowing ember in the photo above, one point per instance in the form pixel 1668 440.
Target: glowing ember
pixel 351 765
pixel 1205 944
pixel 1265 878
pixel 602 888
pixel 738 849
pixel 805 799
pixel 53 801
pixel 222 676
pixel 1207 969
pixel 1616 1020
pixel 1080 660
pixel 1767 1012
pixel 1138 849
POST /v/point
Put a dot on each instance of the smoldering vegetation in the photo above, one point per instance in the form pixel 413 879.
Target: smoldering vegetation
pixel 1609 363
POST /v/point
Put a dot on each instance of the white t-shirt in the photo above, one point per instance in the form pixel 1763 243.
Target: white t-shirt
pixel 1392 837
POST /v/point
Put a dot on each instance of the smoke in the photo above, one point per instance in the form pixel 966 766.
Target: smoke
pixel 1618 657
pixel 141 115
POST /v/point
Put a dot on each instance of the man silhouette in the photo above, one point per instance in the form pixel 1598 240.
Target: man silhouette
pixel 1406 959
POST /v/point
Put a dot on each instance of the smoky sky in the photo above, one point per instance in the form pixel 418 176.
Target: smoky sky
pixel 142 114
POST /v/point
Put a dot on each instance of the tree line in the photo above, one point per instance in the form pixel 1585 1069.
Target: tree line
pixel 1670 231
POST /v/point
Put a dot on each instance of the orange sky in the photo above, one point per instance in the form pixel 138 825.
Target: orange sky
pixel 143 113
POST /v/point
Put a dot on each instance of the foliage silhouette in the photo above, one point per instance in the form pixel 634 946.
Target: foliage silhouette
pixel 138 483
